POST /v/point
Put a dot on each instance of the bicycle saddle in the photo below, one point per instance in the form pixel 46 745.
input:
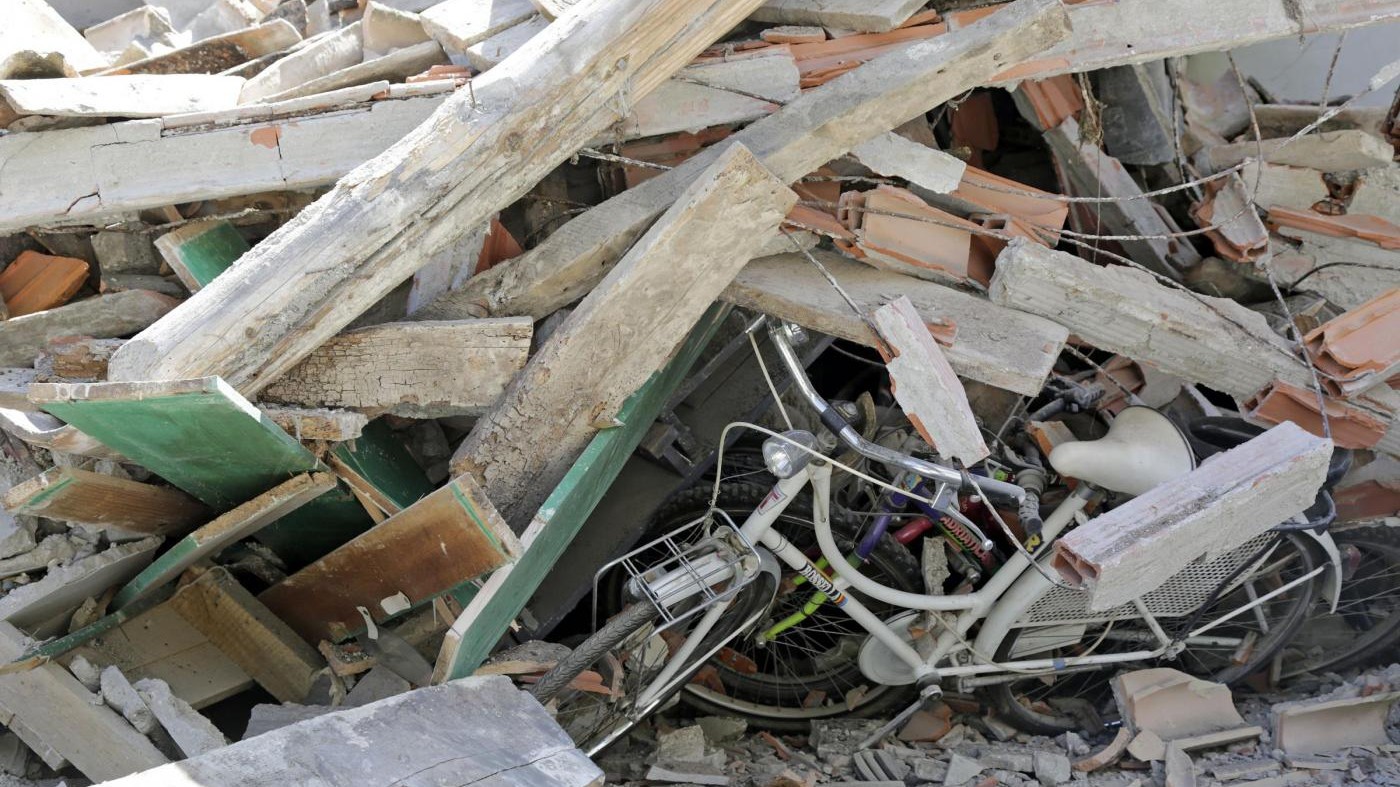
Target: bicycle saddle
pixel 1142 449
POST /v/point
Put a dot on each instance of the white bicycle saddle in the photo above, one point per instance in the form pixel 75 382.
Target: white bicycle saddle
pixel 1142 449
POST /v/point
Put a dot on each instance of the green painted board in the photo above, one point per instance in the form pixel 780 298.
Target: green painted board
pixel 200 251
pixel 206 439
pixel 379 457
pixel 498 603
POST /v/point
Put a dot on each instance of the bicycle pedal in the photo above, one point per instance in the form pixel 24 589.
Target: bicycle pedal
pixel 926 694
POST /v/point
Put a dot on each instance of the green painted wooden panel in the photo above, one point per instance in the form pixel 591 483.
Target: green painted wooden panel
pixel 381 458
pixel 571 502
pixel 205 438
pixel 212 252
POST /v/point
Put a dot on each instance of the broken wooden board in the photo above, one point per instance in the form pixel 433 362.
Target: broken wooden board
pixel 477 731
pixel 866 16
pixel 366 236
pixel 45 431
pixel 450 537
pixel 1003 347
pixel 250 635
pixel 120 96
pixel 459 24
pixel 87 498
pixel 204 438
pixel 1213 341
pixel 380 467
pixel 317 58
pixel 817 127
pixel 411 369
pixel 103 317
pixel 44 607
pixel 647 305
pixel 488 615
pixel 201 250
pixel 218 53
pixel 55 711
pixel 924 384
pixel 234 525
pixel 1232 497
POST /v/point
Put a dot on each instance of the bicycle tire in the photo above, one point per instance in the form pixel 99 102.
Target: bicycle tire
pixel 612 634
pixel 1377 644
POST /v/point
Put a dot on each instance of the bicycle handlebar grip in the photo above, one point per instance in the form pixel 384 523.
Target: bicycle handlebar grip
pixel 1029 513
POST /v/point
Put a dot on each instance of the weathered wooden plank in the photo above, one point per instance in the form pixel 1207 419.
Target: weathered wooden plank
pixel 862 15
pixel 104 317
pixel 1232 497
pixel 332 426
pixel 647 305
pixel 201 250
pixel 477 731
pixel 204 438
pixel 121 96
pixel 250 635
pixel 449 537
pixel 234 525
pixel 817 127
pixel 488 615
pixel 217 53
pixel 54 708
pixel 87 498
pixel 480 151
pixel 994 345
pixel 1213 341
pixel 925 385
pixel 413 369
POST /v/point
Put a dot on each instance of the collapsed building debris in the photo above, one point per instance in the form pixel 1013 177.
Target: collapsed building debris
pixel 346 344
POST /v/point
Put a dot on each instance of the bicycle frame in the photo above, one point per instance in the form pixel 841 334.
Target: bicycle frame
pixel 998 604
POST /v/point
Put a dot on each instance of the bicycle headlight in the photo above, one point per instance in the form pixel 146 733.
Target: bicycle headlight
pixel 785 460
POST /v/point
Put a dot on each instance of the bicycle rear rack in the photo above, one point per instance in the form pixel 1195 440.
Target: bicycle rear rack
pixel 694 561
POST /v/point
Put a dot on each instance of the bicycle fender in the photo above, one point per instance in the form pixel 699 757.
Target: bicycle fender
pixel 1333 576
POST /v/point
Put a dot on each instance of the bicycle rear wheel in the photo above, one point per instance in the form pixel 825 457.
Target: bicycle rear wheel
pixel 1366 625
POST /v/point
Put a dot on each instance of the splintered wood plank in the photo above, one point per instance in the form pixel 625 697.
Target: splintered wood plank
pixel 412 369
pixel 925 385
pixel 235 525
pixel 82 496
pixel 450 537
pixel 53 707
pixel 489 614
pixel 379 466
pixel 250 635
pixel 158 643
pixel 204 438
pixel 201 250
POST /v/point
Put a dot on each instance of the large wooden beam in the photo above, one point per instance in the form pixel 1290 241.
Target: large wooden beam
pixel 489 614
pixel 622 333
pixel 819 126
pixel 478 153
pixel 990 344
pixel 413 369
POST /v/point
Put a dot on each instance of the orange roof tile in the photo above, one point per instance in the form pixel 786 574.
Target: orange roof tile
pixel 1368 228
pixel 34 282
pixel 1351 426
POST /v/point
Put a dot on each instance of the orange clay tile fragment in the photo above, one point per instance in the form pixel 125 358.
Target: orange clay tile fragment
pixel 1351 426
pixel 1237 233
pixel 498 247
pixel 1037 209
pixel 1053 99
pixel 898 231
pixel 1370 499
pixel 668 151
pixel 35 282
pixel 1373 229
pixel 435 73
pixel 818 221
pixel 818 63
pixel 1359 348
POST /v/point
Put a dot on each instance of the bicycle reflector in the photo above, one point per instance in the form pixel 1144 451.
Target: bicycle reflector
pixel 785 460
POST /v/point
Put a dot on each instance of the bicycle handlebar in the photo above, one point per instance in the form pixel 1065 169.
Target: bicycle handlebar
pixel 833 420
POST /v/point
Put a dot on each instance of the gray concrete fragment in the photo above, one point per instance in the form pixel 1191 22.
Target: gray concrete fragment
pixel 268 717
pixel 377 684
pixel 960 769
pixel 1051 768
pixel 86 672
pixel 191 731
pixel 122 697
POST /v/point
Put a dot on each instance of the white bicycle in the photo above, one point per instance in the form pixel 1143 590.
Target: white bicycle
pixel 783 618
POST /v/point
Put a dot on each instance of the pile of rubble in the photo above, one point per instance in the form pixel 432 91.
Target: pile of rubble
pixel 1174 730
pixel 344 340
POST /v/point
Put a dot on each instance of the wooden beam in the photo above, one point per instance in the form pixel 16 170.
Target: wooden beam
pixel 489 614
pixel 249 634
pixel 1232 497
pixel 820 125
pixel 87 498
pixel 480 732
pixel 104 317
pixel 578 380
pixel 371 232
pixel 56 711
pixel 450 537
pixel 925 385
pixel 1213 341
pixel 232 526
pixel 204 438
pixel 987 343
pixel 412 369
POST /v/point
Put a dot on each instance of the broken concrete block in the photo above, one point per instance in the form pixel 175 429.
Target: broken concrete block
pixel 1138 113
pixel 1313 727
pixel 267 717
pixel 1172 705
pixel 34 28
pixel 44 605
pixel 122 697
pixel 126 252
pixel 191 731
pixel 1181 772
pixel 1377 193
pixel 925 385
pixel 1329 151
pixel 375 685
pixel 895 156
pixel 1051 768
pixel 857 15
pixel 328 54
pixel 961 768
pixel 469 731
pixel 1232 497
pixel 86 673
